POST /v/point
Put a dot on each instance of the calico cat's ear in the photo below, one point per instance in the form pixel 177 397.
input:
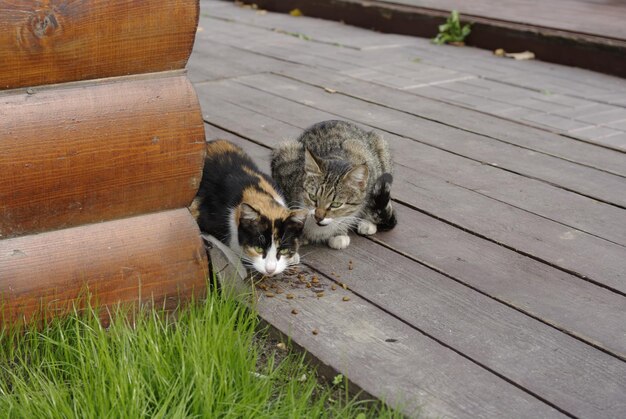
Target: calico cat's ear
pixel 247 213
pixel 357 177
pixel 311 164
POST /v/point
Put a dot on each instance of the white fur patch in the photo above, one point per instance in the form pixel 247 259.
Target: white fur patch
pixel 366 228
pixel 339 242
pixel 325 221
pixel 270 265
pixel 315 233
pixel 280 200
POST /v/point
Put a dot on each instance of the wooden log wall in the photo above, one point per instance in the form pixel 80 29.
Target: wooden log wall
pixel 101 152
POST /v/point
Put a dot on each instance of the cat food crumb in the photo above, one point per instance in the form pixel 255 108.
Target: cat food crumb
pixel 281 346
pixel 279 291
pixel 269 294
pixel 263 287
pixel 315 331
pixel 308 285
pixel 350 265
pixel 333 273
pixel 320 294
pixel 295 311
pixel 345 287
pixel 314 279
pixel 290 296
pixel 333 287
pixel 346 298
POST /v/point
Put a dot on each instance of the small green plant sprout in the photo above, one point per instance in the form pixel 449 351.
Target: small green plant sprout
pixel 338 379
pixel 452 32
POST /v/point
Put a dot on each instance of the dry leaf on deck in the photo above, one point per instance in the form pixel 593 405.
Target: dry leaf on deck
pixel 526 55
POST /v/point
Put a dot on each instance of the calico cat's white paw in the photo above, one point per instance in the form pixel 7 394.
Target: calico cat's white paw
pixel 339 242
pixel 295 259
pixel 366 228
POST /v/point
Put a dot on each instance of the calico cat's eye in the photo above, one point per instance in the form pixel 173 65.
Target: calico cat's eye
pixel 312 197
pixel 258 249
pixel 336 204
pixel 284 251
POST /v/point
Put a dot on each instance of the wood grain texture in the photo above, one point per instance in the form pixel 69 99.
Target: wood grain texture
pixel 97 151
pixel 157 257
pixel 594 52
pixel 530 354
pixel 63 40
pixel 469 120
pixel 381 355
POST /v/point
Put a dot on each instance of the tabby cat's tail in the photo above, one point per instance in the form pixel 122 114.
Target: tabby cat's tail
pixel 381 203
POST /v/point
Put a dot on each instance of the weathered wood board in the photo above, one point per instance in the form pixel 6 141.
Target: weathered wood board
pixel 380 354
pixel 157 258
pixel 96 151
pixel 57 41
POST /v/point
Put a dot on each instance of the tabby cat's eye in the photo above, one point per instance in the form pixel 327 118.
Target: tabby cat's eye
pixel 258 249
pixel 336 204
pixel 284 251
pixel 312 197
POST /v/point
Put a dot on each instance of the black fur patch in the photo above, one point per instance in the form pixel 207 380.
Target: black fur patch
pixel 380 204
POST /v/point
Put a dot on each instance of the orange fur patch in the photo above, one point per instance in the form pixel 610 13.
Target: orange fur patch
pixel 218 147
pixel 264 184
pixel 265 204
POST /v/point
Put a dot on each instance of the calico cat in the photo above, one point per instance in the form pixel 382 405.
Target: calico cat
pixel 242 207
pixel 342 175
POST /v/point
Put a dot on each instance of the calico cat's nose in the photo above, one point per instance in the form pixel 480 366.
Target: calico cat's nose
pixel 270 268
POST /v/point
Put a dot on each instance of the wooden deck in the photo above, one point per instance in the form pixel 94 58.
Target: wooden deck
pixel 582 33
pixel 502 291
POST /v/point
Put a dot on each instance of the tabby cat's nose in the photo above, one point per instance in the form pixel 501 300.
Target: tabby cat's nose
pixel 320 214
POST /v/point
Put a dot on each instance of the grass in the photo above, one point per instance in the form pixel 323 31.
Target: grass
pixel 204 364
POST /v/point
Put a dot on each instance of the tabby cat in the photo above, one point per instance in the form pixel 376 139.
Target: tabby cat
pixel 242 207
pixel 342 175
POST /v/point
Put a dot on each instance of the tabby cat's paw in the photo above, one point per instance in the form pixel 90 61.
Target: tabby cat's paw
pixel 339 242
pixel 366 228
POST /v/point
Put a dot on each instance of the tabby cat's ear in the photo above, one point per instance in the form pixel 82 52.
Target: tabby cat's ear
pixel 357 177
pixel 247 213
pixel 311 164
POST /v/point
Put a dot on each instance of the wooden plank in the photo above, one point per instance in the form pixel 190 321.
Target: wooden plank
pixel 561 246
pixel 155 258
pixel 385 357
pixel 564 301
pixel 321 30
pixel 92 152
pixel 580 16
pixel 476 122
pixel 212 61
pixel 495 127
pixel 534 76
pixel 563 371
pixel 574 49
pixel 58 41
pixel 583 180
